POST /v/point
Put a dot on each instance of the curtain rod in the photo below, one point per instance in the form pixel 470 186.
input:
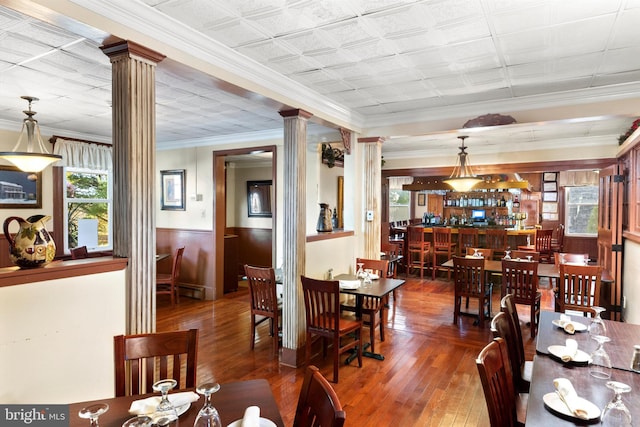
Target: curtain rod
pixel 52 140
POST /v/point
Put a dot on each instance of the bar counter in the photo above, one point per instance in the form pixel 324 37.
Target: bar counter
pixel 515 237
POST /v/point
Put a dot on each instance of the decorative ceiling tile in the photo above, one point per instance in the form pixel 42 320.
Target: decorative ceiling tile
pixel 235 33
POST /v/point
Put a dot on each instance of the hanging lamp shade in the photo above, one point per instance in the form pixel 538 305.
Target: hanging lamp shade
pixel 32 156
pixel 462 178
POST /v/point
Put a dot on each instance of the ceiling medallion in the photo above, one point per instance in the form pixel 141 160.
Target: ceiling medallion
pixel 489 120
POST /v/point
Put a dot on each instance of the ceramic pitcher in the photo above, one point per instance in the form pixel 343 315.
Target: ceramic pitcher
pixel 324 219
pixel 32 246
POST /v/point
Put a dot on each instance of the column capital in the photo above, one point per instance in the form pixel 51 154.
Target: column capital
pixel 297 112
pixel 370 139
pixel 123 47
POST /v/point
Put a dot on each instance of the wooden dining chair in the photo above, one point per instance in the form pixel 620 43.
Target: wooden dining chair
pixel 496 239
pixel 520 278
pixel 507 305
pixel 467 238
pixel 543 245
pixel 418 250
pixel 557 240
pixel 502 327
pixel 318 403
pixel 520 254
pixel 322 313
pixel 79 253
pixel 443 245
pixel 578 288
pixel 168 283
pixel 142 359
pixel 469 280
pixel 484 252
pixel 506 407
pixel 264 302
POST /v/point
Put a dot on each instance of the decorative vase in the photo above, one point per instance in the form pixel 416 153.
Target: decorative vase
pixel 324 219
pixel 32 246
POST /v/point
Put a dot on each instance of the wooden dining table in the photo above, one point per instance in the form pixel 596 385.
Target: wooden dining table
pixel 231 401
pixel 546 369
pixel 623 337
pixel 378 288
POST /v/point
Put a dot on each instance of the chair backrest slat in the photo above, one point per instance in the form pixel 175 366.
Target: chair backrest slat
pixel 497 382
pixel 318 404
pixel 579 287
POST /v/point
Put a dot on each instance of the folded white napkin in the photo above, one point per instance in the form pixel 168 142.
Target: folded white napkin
pixel 148 406
pixel 567 325
pixel 570 350
pixel 570 398
pixel 349 284
pixel 251 417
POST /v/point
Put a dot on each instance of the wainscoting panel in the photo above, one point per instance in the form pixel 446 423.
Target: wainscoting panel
pixel 255 246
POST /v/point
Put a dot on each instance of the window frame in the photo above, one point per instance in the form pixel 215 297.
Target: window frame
pixel 567 210
pixel 65 202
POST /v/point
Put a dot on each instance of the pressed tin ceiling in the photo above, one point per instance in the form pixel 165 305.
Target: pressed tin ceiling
pixel 385 62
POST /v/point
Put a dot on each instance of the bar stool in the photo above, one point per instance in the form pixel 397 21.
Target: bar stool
pixel 418 250
pixel 467 238
pixel 442 245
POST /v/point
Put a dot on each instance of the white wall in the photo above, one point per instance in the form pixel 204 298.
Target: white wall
pixel 61 333
pixel 237 205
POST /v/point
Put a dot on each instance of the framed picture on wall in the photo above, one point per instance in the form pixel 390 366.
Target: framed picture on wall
pixel 20 190
pixel 422 199
pixel 172 190
pixel 550 176
pixel 551 186
pixel 549 197
pixel 259 196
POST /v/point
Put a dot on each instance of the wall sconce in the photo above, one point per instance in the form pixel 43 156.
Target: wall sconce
pixel 29 159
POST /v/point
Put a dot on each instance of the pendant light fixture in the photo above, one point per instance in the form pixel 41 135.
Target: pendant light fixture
pixel 462 178
pixel 35 157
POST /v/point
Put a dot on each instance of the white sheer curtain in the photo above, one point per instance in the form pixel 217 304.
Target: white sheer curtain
pixel 578 178
pixel 83 155
pixel 396 182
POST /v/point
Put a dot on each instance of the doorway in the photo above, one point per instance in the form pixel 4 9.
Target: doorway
pixel 222 181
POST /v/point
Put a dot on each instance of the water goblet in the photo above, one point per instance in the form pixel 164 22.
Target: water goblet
pixel 476 254
pixel 616 413
pixel 529 258
pixel 507 254
pixel 360 272
pixel 208 415
pixel 599 361
pixel 92 413
pixel 367 278
pixel 597 326
pixel 139 421
pixel 165 412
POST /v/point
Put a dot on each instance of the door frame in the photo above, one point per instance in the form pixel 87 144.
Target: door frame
pixel 220 208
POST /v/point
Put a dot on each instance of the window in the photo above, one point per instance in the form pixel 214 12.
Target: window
pixel 399 205
pixel 581 211
pixel 87 209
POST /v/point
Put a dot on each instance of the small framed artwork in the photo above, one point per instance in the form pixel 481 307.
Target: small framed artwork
pixel 259 196
pixel 20 190
pixel 172 190
pixel 551 186
pixel 550 216
pixel 550 176
pixel 549 207
pixel 550 197
pixel 422 199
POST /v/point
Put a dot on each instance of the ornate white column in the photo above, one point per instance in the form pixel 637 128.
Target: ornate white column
pixel 134 163
pixel 372 158
pixel 294 242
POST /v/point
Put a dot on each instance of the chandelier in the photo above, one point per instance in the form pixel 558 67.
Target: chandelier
pixel 34 157
pixel 462 178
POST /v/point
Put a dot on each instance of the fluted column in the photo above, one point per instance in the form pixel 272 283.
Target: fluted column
pixel 294 242
pixel 372 158
pixel 134 161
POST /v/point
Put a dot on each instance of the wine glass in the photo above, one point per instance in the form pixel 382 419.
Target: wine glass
pixel 139 421
pixel 360 272
pixel 616 413
pixel 367 277
pixel 208 415
pixel 597 326
pixel 165 412
pixel 529 258
pixel 92 413
pixel 599 361
pixel 476 254
pixel 507 254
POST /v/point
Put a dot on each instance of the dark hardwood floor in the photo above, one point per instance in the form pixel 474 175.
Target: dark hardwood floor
pixel 428 377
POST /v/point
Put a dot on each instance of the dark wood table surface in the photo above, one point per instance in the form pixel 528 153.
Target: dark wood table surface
pixel 623 337
pixel 545 370
pixel 231 401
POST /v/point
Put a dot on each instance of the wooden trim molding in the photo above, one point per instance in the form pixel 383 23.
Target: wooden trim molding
pixel 10 276
pixel 329 235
